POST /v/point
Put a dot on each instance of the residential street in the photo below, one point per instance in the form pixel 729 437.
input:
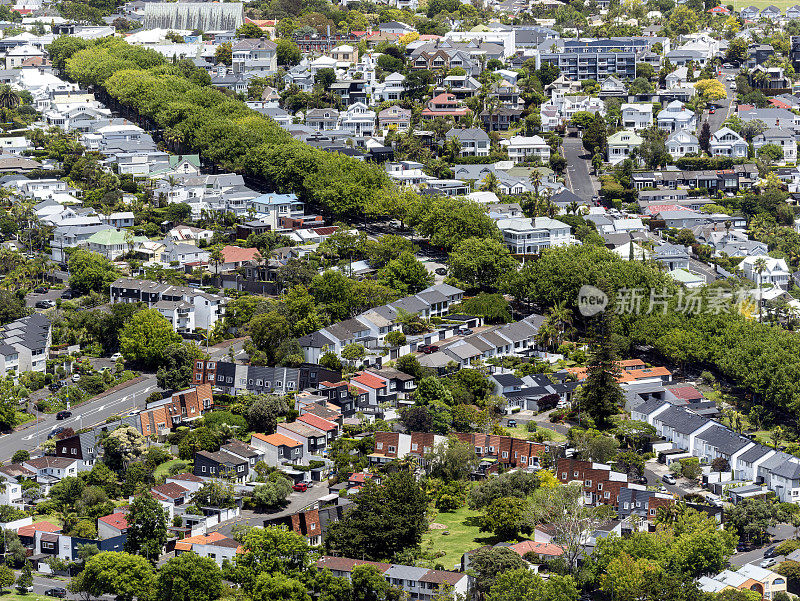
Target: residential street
pixel 724 107
pixel 579 179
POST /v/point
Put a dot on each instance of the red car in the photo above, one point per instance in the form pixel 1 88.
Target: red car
pixel 429 348
pixel 300 487
pixel 712 111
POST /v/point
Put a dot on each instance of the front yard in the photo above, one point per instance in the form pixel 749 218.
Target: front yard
pixel 462 536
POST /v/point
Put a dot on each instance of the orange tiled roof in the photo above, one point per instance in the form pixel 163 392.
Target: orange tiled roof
pixel 278 440
pixel 43 526
pixel 116 520
pixel 317 422
pixel 236 254
pixel 370 380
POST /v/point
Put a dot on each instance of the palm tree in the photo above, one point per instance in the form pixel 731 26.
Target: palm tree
pixel 9 98
pixel 216 258
pixel 547 335
pixel 561 316
pixel 760 265
pixel 490 183
pixel 536 181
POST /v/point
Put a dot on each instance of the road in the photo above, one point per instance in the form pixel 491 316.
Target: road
pixel 779 532
pixel 578 161
pixel 724 107
pixel 98 410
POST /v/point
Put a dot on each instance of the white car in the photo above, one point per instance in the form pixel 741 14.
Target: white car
pixel 116 356
pixel 769 561
pixel 76 377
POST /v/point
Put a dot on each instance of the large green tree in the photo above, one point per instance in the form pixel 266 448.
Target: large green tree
pixel 147 527
pixel 125 576
pixel 145 338
pixel 480 263
pixel 601 395
pixel 90 272
pixel 189 577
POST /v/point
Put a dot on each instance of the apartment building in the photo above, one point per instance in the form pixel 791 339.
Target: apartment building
pixel 235 378
pixel 159 417
pixel 25 344
pixel 188 309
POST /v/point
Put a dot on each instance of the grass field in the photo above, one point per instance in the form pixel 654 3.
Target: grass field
pixel 163 469
pixel 18 597
pixel 520 431
pixel 463 536
pixel 781 4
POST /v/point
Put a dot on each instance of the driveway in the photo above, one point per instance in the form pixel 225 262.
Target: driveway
pixel 654 471
pixel 578 163
pixel 542 420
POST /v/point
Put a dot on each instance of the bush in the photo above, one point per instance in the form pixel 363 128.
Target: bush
pixel 787 547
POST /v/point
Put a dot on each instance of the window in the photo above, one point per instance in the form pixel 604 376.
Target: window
pixel 414 446
pixel 652 511
pixel 74 451
pixel 391 449
pixel 505 454
pixel 606 495
pixel 379 445
pixel 625 505
pixel 599 486
pixel 204 469
pixel 240 468
pixel 63 449
pixel 587 482
pixel 574 474
pixel 563 474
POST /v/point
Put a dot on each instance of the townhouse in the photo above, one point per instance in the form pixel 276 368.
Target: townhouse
pixel 727 180
pixel 637 115
pixel 419 584
pixel 313 523
pixel 370 328
pixel 25 344
pixel 313 439
pixel 637 500
pixel 391 446
pixel 49 470
pixel 235 378
pixel 747 578
pixel 222 465
pixel 84 447
pixel 600 484
pixel 188 309
pixel 159 417
pixel 559 111
pixel 278 449
pixel 213 545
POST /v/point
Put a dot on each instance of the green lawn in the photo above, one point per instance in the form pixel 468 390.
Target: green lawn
pixel 17 597
pixel 781 4
pixel 462 537
pixel 163 469
pixel 520 431
pixel 23 417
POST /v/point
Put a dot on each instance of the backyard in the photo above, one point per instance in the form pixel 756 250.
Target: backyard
pixel 462 535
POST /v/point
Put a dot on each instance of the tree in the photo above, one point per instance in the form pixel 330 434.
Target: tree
pixel 409 364
pixel 7 577
pixel 146 336
pixel 20 456
pixel 370 585
pixel 269 551
pixel 249 30
pixel 325 77
pixel 288 53
pixel 452 460
pixel 405 274
pixel 582 119
pixel 273 493
pixel 653 149
pixel 89 272
pixel 594 138
pixel 123 575
pixel 385 519
pixel 683 20
pixel 737 52
pixel 489 563
pixel 214 494
pixel 506 518
pixel 524 585
pixel 480 263
pixel 704 139
pixel 268 331
pixel 510 484
pixel 751 519
pixel 224 54
pixel 710 89
pixel 147 527
pixel 770 153
pixel 25 580
pixel 353 352
pixel 189 577
pixel 494 308
pixel 280 588
pixel 263 411
pixel 601 395
pixel 179 361
pixel 9 99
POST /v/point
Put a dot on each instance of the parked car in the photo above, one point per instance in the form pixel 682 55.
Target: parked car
pixel 300 487
pixel 25 589
pixel 769 561
pixel 466 332
pixel 771 551
pixel 669 479
pixel 641 480
pixel 76 377
pixel 40 290
pixel 712 111
pixel 116 356
pixel 428 349
pixel 440 271
pixel 44 304
pixel 512 423
pixel 61 593
pixel 63 415
pixel 68 294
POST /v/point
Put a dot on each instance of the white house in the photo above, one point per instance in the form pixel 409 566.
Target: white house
pixel 774 271
pixel 783 138
pixel 681 143
pixel 526 235
pixel 676 117
pixel 358 120
pixel 474 141
pixel 726 142
pixel 637 115
pixel 521 148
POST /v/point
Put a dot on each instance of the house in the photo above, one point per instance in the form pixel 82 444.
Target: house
pixel 394 118
pixel 50 470
pixel 358 119
pixel 474 142
pixel 112 525
pixel 751 13
pixel 113 243
pixel 774 272
pixel 213 545
pixel 681 143
pixel 612 86
pixel 747 578
pixel 278 448
pixel 726 142
pixel 391 446
pixel 672 256
pixel 771 13
pixel 444 105
pixel 526 235
pixel 313 440
pixel 637 116
pixel 637 500
pixel 783 138
pixel 25 344
pixel 417 583
pixel 524 148
pixel 677 78
pixel 621 144
pixel 391 90
pixel 254 56
pixel 234 257
pixel 676 117
pixel 222 465
pixel 84 447
pixel 322 119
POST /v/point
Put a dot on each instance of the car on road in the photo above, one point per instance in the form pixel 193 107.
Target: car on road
pixel 769 561
pixel 63 415
pixel 44 304
pixel 68 294
pixel 76 377
pixel 712 111
pixel 428 349
pixel 669 479
pixel 116 356
pixel 440 271
pixel 641 480
pixel 55 432
pixel 300 487
pixel 41 290
pixel 771 551
pixel 26 589
pixel 61 593
pixel 662 489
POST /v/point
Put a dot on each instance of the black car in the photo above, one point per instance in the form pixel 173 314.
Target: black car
pixel 40 290
pixel 44 304
pixel 67 294
pixel 61 593
pixel 441 271
pixel 771 551
pixel 55 432
pixel 63 414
